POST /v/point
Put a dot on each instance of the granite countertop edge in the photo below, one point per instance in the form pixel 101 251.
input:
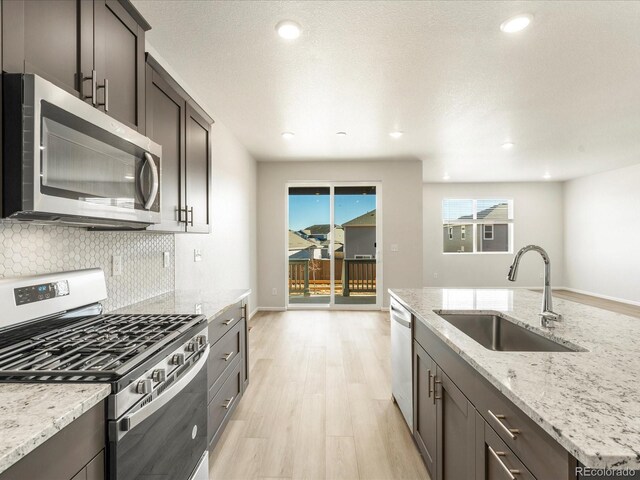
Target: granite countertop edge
pixel 51 426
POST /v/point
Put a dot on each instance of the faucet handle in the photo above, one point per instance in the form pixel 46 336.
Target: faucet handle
pixel 547 317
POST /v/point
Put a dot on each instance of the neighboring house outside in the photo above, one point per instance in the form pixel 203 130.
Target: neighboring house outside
pixel 322 232
pixel 360 236
pixel 301 248
pixel 491 237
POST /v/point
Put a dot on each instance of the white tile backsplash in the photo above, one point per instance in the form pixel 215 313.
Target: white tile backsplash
pixel 27 249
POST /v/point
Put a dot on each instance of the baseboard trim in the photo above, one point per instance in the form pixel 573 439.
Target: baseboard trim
pixel 270 309
pixel 252 314
pixel 598 295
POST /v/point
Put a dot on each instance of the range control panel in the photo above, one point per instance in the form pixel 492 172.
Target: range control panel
pixel 43 291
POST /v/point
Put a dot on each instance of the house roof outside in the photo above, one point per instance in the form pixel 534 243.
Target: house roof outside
pixel 499 211
pixel 319 229
pixel 296 242
pixel 366 220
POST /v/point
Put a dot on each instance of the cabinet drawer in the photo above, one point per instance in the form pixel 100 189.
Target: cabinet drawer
pixel 499 460
pixel 224 402
pixel 222 357
pixel 224 322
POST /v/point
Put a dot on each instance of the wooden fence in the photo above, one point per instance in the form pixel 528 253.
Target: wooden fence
pixel 359 276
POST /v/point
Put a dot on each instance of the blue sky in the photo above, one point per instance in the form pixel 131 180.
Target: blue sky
pixel 307 210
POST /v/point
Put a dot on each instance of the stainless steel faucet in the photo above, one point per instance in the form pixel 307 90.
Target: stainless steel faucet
pixel 547 315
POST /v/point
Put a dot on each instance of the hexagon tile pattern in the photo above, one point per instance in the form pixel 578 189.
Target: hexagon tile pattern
pixel 27 249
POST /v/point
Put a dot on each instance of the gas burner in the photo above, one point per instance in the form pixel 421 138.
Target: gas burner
pixel 102 346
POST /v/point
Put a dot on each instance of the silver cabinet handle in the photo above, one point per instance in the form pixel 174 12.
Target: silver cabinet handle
pixel 228 322
pixel 509 471
pixel 130 421
pixel 155 182
pixel 191 212
pixel 430 384
pixel 512 432
pixel 227 356
pixel 228 404
pixel 105 86
pixel 94 87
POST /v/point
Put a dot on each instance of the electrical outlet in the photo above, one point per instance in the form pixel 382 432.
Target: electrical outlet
pixel 435 274
pixel 541 275
pixel 198 308
pixel 116 265
pixel 197 255
pixel 166 259
pixel 274 291
pixel 394 247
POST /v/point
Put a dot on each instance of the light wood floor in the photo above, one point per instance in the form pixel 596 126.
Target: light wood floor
pixel 318 404
pixel 611 305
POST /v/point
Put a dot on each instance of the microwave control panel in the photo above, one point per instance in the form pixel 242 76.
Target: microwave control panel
pixel 38 293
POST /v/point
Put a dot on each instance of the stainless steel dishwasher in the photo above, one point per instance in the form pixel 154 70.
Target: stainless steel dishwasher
pixel 401 378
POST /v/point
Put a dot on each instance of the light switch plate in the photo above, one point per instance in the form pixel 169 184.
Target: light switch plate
pixel 197 255
pixel 166 259
pixel 394 247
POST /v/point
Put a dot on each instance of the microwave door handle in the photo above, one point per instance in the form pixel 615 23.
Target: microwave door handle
pixel 155 182
pixel 131 421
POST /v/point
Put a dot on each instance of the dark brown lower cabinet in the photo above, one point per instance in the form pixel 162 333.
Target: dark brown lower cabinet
pixel 74 453
pixel 425 409
pixel 456 419
pixel 444 421
pixel 466 429
pixel 227 368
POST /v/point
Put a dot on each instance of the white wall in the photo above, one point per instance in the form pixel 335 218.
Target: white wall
pixel 538 219
pixel 401 222
pixel 602 221
pixel 229 251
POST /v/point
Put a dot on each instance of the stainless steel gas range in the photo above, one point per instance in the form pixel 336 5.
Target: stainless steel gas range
pixel 52 329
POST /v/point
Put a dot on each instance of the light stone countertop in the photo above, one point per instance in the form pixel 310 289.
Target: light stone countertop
pixel 588 401
pixel 31 413
pixel 208 303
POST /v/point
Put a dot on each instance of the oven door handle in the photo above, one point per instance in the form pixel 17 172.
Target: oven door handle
pixel 131 421
pixel 155 182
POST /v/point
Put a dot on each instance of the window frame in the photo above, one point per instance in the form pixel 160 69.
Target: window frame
pixel 475 222
pixel 463 232
pixel 484 231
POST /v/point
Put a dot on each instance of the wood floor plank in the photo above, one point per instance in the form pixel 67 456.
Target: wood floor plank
pixel 310 453
pixel 341 459
pixel 338 414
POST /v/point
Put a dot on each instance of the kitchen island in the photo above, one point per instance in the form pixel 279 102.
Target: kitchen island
pixel 587 400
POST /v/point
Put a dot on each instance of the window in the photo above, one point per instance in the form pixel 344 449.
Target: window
pixel 485 225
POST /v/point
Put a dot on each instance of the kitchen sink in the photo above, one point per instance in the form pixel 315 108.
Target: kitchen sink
pixel 495 332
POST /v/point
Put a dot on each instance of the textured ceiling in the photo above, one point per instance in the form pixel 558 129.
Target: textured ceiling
pixel 566 91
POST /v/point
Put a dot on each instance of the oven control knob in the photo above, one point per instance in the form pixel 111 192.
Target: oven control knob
pixel 177 359
pixel 192 346
pixel 159 375
pixel 201 340
pixel 143 386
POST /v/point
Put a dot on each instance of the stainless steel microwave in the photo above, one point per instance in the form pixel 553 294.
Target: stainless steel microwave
pixel 67 162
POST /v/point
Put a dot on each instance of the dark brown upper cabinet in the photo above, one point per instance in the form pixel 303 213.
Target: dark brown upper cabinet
pixel 91 48
pixel 184 130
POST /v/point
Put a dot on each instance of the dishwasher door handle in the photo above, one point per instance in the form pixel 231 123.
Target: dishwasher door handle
pixel 401 321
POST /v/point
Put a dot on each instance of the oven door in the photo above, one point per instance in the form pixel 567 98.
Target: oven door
pixel 164 439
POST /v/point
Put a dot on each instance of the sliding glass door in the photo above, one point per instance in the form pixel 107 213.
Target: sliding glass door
pixel 333 243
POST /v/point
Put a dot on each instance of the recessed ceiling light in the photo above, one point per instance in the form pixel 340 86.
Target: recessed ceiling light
pixel 446 176
pixel 288 29
pixel 396 134
pixel 516 24
pixel 508 145
pixel 546 176
pixel 341 134
pixel 288 135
